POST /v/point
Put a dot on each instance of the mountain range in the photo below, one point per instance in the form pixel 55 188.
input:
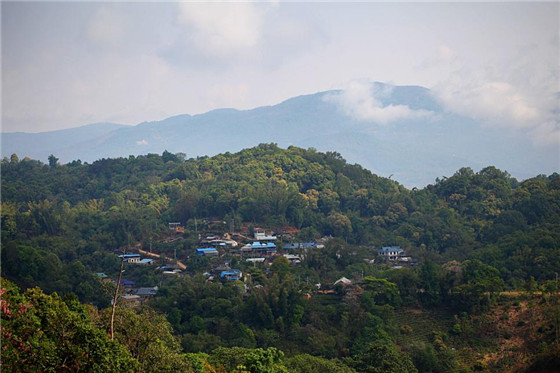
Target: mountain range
pixel 418 143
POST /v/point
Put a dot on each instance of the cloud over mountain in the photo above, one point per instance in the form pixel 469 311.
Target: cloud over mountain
pixel 392 130
pixel 362 101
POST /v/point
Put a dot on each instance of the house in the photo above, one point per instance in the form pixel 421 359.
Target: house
pixel 260 235
pixel 231 275
pixel 343 281
pixel 131 299
pixel 300 245
pixel 222 243
pixel 293 259
pixel 221 268
pixel 146 261
pixel 176 227
pixel 146 292
pixel 391 252
pixel 130 258
pixel 260 249
pixel 256 260
pixel 208 251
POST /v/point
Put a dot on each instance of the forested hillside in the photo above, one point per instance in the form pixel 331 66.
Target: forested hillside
pixel 481 248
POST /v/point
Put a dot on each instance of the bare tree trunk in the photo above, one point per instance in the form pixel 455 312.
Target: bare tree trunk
pixel 116 295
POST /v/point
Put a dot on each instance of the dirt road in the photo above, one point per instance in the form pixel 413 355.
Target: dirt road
pixel 153 255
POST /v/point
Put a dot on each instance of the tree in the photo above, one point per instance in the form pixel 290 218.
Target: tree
pixel 480 281
pixel 340 224
pixel 430 283
pixel 250 360
pixel 383 291
pixel 381 356
pixel 148 336
pixel 53 161
pixel 305 363
pixel 47 333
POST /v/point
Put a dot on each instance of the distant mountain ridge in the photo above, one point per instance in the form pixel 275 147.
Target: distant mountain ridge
pixel 415 149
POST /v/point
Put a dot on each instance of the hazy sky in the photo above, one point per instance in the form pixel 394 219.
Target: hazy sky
pixel 67 64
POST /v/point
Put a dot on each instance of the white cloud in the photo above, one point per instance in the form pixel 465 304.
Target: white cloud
pixel 142 142
pixel 547 133
pixel 106 27
pixel 361 100
pixel 222 29
pixel 518 92
pixel 231 95
pixel 499 102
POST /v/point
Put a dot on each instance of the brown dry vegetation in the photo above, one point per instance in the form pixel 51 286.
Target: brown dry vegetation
pixel 519 329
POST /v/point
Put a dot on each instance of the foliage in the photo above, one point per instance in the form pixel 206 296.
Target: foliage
pixel 381 356
pixel 472 235
pixel 47 333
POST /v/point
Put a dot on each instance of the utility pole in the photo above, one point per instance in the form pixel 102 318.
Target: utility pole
pixel 116 295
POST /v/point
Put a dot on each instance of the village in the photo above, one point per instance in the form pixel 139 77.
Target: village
pixel 256 247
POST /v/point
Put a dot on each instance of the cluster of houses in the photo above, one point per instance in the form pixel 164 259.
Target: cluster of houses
pixel 261 248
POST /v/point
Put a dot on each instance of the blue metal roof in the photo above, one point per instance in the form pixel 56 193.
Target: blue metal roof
pixel 232 274
pixel 259 245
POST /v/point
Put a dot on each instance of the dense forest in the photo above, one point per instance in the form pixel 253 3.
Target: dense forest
pixel 478 289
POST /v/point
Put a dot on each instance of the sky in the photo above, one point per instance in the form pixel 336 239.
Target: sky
pixel 66 64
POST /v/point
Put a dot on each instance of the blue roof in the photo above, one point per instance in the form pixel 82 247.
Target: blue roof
pixel 207 251
pixel 259 245
pixel 233 272
pixel 129 256
pixel 146 260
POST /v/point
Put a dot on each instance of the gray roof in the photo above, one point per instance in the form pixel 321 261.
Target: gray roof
pixel 146 291
pixel 388 249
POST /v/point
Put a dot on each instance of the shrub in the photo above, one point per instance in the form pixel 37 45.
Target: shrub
pixel 456 329
pixel 406 329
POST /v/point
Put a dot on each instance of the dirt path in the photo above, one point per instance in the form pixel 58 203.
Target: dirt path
pixel 153 255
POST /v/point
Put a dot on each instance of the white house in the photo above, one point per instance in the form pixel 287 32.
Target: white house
pixel 260 235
